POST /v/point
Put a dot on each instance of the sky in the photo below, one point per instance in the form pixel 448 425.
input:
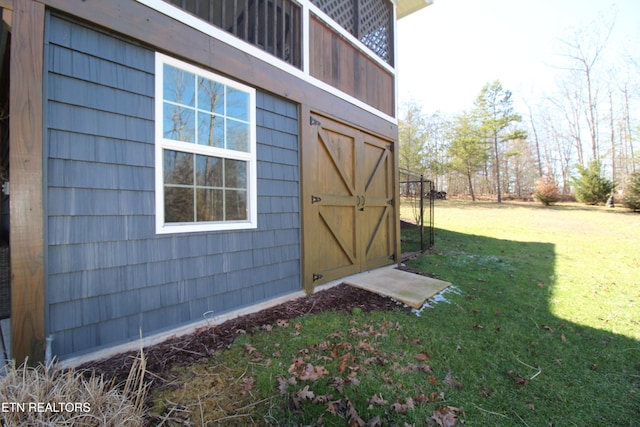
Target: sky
pixel 448 51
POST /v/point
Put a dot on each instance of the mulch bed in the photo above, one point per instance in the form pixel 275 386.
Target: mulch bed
pixel 185 350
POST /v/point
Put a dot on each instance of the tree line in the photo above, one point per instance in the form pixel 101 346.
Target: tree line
pixel 586 125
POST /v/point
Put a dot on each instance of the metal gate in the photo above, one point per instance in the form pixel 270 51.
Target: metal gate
pixel 419 195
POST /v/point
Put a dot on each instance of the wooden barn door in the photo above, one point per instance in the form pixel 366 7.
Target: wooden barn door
pixel 348 178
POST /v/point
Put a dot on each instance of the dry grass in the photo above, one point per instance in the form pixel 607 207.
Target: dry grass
pixel 207 394
pixel 48 396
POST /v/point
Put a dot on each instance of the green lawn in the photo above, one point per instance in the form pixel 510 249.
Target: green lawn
pixel 542 328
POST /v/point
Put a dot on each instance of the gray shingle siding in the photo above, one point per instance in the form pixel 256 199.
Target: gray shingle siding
pixel 108 273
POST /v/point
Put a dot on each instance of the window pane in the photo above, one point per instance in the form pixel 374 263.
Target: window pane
pixel 178 168
pixel 237 136
pixel 178 204
pixel 237 104
pixel 179 123
pixel 208 171
pixel 209 204
pixel 210 96
pixel 179 86
pixel 210 130
pixel 236 205
pixel 235 174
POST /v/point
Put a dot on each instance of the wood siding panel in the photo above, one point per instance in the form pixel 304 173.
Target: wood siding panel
pixel 106 265
pixel 338 63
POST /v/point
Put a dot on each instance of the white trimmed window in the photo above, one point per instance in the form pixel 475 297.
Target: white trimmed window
pixel 205 150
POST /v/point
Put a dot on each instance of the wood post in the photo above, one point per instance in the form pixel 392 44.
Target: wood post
pixel 26 177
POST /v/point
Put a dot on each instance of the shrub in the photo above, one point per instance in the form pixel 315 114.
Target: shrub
pixel 547 191
pixel 590 188
pixel 631 198
pixel 48 396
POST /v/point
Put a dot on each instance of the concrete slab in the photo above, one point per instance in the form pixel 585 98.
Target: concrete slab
pixel 409 288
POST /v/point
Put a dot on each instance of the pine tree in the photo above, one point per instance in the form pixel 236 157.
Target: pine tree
pixel 590 187
pixel 631 198
pixel 494 107
pixel 467 152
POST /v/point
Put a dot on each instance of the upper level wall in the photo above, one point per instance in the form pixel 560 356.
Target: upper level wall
pixel 346 46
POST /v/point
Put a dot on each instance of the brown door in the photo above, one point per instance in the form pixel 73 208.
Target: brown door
pixel 348 179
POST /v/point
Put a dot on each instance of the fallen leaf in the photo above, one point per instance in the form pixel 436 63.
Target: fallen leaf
pixel 421 398
pixel 377 399
pixel 409 403
pixel 563 338
pixel 313 373
pixel 517 378
pixel 249 349
pixel 433 380
pixel 477 326
pixel 422 357
pixel 399 408
pixel 338 384
pixel 541 285
pixel 353 380
pixel 450 381
pixel 282 386
pixel 305 393
pixel 248 384
pixel 445 417
pixel 375 421
pixel 345 409
pixel 257 357
pixel 323 398
pixel 547 328
pixel 485 391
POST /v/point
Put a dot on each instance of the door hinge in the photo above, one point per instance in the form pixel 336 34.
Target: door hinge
pixel 391 202
pixel 315 199
pixel 390 147
pixel 316 277
pixel 392 257
pixel 314 122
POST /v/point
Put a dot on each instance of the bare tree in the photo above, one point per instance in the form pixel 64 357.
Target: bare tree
pixel 581 53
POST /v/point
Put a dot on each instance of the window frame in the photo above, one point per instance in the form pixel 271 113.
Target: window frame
pixel 162 143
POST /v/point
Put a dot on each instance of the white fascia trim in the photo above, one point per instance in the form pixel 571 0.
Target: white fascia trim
pixel 395 49
pixel 210 30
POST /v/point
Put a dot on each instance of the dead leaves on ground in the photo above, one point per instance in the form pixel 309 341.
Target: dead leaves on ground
pixel 337 366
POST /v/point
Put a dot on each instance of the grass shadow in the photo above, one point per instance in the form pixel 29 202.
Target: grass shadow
pixel 519 362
